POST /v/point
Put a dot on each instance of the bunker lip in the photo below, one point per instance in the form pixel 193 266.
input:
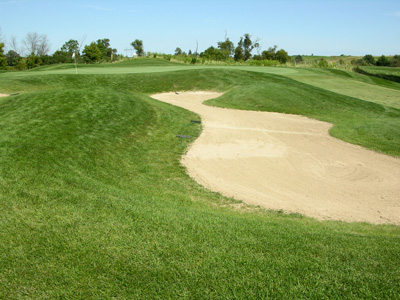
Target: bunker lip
pixel 290 163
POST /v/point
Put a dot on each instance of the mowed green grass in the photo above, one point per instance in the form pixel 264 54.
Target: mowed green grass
pixel 383 70
pixel 95 204
pixel 351 84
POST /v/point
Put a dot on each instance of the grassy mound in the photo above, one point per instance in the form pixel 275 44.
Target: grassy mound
pixel 96 205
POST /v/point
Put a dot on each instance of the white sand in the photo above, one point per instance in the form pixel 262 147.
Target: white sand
pixel 290 163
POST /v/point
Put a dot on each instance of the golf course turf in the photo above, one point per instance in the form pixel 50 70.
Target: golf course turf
pixel 95 204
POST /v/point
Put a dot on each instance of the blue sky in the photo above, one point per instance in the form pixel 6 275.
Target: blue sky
pixel 300 27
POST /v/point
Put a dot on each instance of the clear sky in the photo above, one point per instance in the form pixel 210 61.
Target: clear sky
pixel 319 27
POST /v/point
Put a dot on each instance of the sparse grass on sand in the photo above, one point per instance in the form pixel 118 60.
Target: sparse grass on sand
pixel 95 205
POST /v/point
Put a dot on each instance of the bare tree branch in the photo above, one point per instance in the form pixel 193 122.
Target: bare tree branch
pixel 31 42
pixel 36 44
pixel 13 44
pixel 44 45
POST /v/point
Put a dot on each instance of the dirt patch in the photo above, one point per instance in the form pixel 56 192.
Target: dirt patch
pixel 290 163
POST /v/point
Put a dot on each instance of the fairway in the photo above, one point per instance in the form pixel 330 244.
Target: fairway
pixel 96 204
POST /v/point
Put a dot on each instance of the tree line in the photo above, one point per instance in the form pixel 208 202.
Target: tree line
pixel 382 61
pixel 243 51
pixel 37 46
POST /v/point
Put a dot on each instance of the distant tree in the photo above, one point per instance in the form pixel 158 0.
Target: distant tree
pixel 44 45
pixel 298 59
pixel 64 55
pixel 227 48
pixel 212 53
pixel 36 44
pixel 92 53
pixel 238 54
pixel 13 58
pixel 383 61
pixel 3 59
pixel 106 50
pixel 369 59
pixel 270 53
pixel 13 44
pixel 33 61
pixel 246 45
pixel 178 51
pixel 395 61
pixel 190 53
pixel 114 55
pixel 138 46
pixel 72 46
pixel 47 60
pixel 22 64
pixel 31 42
pixel 282 56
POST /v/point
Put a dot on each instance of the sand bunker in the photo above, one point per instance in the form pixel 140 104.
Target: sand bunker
pixel 290 163
pixel 3 95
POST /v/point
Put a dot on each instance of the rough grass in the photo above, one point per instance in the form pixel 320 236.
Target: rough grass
pixel 95 204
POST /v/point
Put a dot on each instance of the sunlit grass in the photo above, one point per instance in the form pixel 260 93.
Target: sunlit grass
pixel 95 204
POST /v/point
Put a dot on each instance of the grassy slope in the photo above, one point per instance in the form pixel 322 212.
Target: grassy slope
pixel 351 84
pixel 382 70
pixel 363 87
pixel 96 205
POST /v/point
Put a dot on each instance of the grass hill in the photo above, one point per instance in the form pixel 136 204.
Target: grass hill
pixel 95 204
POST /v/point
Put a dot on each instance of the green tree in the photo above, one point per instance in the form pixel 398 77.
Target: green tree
pixel 178 51
pixel 247 46
pixel 12 58
pixel 282 56
pixel 298 59
pixel 3 59
pixel 395 61
pixel 22 64
pixel 33 61
pixel 238 53
pixel 383 61
pixel 369 59
pixel 227 48
pixel 106 50
pixel 212 53
pixel 92 53
pixel 72 46
pixel 62 57
pixel 270 53
pixel 138 46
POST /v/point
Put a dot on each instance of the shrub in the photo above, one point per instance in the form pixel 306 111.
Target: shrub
pixel 298 59
pixel 323 63
pixel 369 59
pixel 282 56
pixel 383 61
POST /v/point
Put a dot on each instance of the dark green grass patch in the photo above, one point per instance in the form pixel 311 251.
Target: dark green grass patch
pixel 387 73
pixel 95 204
